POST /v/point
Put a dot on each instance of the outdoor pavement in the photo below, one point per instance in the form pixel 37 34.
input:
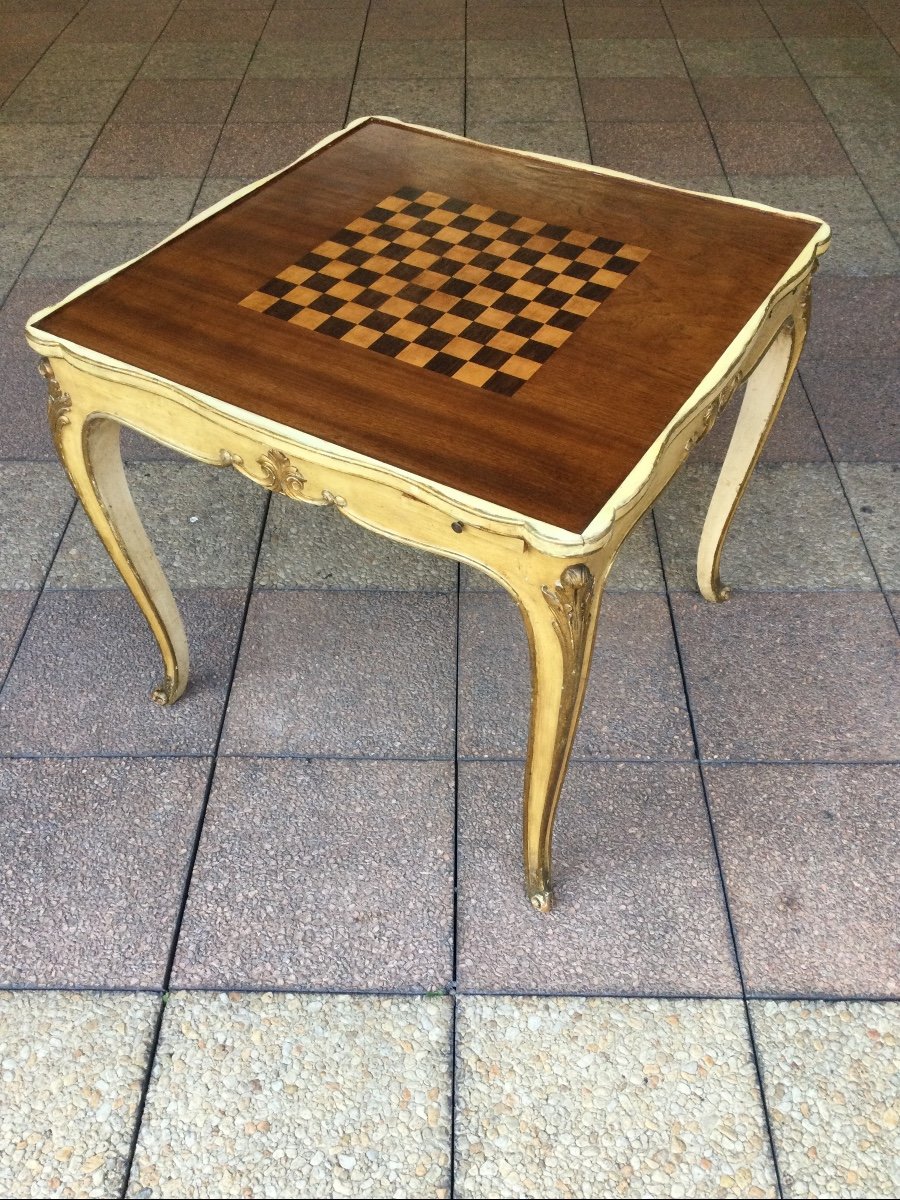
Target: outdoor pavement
pixel 274 941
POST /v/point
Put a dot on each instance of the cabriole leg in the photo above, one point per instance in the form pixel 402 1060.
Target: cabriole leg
pixel 89 447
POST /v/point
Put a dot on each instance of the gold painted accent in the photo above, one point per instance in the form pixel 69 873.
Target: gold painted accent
pixel 227 459
pixel 331 498
pixel 570 601
pixel 280 475
pixel 165 693
pixel 59 403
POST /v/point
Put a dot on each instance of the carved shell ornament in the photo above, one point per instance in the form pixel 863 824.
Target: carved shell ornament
pixel 281 475
pixel 59 402
pixel 570 600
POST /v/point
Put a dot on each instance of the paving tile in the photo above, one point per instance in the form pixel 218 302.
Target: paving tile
pixel 640 100
pixel 810 861
pixel 254 149
pixel 873 150
pixel 874 492
pixel 654 58
pixel 525 99
pixel 637 567
pixel 638 906
pixel 204 523
pixel 327 59
pixel 378 668
pixel 35 503
pixel 587 19
pixel 415 20
pixel 853 318
pixel 730 20
pixel 36 149
pixel 211 25
pixel 654 149
pixel 344 883
pixel 125 201
pixel 297 22
pixel 736 56
pixel 834 18
pixel 529 18
pixel 309 547
pixel 856 402
pixel 795 438
pixel 117 22
pixel 32 200
pixel 793 531
pixel 183 149
pixel 874 99
pixel 843 56
pixel 753 98
pixel 94 60
pixel 311 1095
pixel 162 101
pixel 14 613
pixel 188 60
pixel 517 58
pixel 16 245
pixel 57 101
pixel 427 59
pixel 24 432
pixel 80 683
pixel 74 1066
pixel 311 102
pixel 217 188
pixel 786 148
pixel 808 676
pixel 94 873
pixel 589 1097
pixel 843 202
pixel 867 248
pixel 86 249
pixel 561 139
pixel 634 707
pixel 438 102
pixel 831 1077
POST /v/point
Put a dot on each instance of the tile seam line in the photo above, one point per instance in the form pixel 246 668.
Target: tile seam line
pixel 802 75
pixel 441 760
pixel 128 1165
pixel 751 1036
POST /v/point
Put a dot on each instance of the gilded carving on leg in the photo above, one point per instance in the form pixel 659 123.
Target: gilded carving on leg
pixel 570 600
pixel 281 475
pixel 59 402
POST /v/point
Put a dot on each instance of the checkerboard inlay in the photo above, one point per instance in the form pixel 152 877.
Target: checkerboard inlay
pixel 477 294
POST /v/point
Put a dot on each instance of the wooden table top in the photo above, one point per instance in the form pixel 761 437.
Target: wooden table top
pixel 517 328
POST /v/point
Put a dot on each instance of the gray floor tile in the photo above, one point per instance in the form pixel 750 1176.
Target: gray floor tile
pixel 581 1097
pixel 309 547
pixel 810 861
pixel 843 56
pixel 654 149
pixel 874 491
pixel 793 530
pixel 117 22
pixel 868 248
pixel 59 101
pixel 842 202
pixel 215 25
pixel 856 402
pixel 853 318
pixel 257 149
pixel 637 567
pixel 216 188
pixel 529 18
pixel 517 59
pixel 24 432
pixel 312 875
pixel 309 102
pixel 95 60
pixel 74 1068
pixel 304 60
pixel 655 58
pixel 427 59
pixel 874 99
pixel 635 705
pixel 437 102
pixel 154 101
pixel 316 1095
pixel 204 523
pixel 756 98
pixel 809 676
pixel 81 681
pixel 139 151
pixel 587 19
pixel 32 201
pixel 736 56
pixel 836 18
pixel 730 20
pixel 15 609
pixel 378 669
pixel 188 60
pixel 638 907
pixel 296 22
pixel 523 99
pixel 34 149
pixel 831 1077
pixel 96 854
pixel 16 244
pixel 795 438
pixel 561 139
pixel 82 249
pixel 159 201
pixel 873 149
pixel 640 99
pixel 786 148
pixel 35 503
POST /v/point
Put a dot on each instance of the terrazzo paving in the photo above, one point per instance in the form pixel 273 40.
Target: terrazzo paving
pixel 272 941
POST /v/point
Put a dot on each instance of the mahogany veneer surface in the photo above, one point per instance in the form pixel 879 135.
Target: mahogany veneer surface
pixel 675 278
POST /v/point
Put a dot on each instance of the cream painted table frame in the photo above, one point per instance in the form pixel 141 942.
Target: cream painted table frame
pixel 556 577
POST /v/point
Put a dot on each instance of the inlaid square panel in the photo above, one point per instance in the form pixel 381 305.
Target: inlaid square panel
pixel 474 293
